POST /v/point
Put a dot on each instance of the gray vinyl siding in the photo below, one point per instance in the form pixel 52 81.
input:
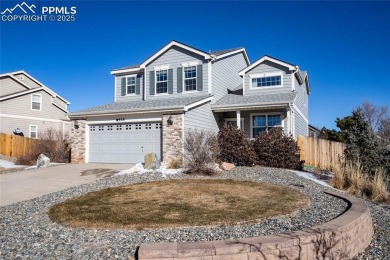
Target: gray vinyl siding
pixel 31 83
pixel 301 126
pixel 118 88
pixel 246 115
pixel 9 86
pixel 225 74
pixel 201 118
pixel 22 106
pixel 8 125
pixel 268 67
pixel 300 98
pixel 174 57
pixel 60 102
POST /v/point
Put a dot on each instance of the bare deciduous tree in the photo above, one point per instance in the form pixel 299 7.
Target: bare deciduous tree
pixel 375 115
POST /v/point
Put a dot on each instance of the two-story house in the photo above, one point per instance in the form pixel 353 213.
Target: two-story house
pixel 180 88
pixel 28 107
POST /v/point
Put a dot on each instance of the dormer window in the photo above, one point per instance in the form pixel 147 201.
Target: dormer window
pixel 266 80
pixel 161 81
pixel 190 78
pixel 130 85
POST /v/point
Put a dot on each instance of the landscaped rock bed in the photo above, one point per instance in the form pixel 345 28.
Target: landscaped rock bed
pixel 27 232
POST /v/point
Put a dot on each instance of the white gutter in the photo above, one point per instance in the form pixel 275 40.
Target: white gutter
pixel 200 102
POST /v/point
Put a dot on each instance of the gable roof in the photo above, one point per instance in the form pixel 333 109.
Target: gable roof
pixel 48 90
pixel 271 59
pixel 11 76
pixel 206 55
pixel 178 44
pixel 145 106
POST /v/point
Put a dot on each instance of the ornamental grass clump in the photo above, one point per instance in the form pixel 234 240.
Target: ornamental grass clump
pixel 200 152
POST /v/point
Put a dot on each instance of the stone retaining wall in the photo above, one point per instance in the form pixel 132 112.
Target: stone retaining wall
pixel 341 238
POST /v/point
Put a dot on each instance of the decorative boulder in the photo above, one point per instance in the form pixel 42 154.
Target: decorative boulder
pixel 214 167
pixel 226 166
pixel 151 161
pixel 43 161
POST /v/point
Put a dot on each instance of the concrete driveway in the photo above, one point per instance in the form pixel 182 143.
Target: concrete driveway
pixel 28 184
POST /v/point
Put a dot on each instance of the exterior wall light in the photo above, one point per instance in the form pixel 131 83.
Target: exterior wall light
pixel 169 121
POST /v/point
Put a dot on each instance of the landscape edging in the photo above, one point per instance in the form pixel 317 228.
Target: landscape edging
pixel 343 237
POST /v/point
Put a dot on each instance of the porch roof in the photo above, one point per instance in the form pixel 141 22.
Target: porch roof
pixel 233 101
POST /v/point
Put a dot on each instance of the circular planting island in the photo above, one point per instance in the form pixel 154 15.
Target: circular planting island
pixel 178 203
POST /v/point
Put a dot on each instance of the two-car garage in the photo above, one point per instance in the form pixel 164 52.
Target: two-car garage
pixel 123 142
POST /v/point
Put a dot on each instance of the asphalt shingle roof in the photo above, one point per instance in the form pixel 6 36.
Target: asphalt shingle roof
pixel 216 53
pixel 222 52
pixel 129 67
pixel 239 100
pixel 142 105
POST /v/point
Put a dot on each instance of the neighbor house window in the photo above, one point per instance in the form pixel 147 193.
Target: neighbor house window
pixel 267 81
pixel 36 101
pixel 130 85
pixel 162 81
pixel 33 131
pixel 261 123
pixel 190 78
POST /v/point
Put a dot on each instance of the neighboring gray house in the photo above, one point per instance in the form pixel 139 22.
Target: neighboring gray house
pixel 313 131
pixel 180 88
pixel 29 106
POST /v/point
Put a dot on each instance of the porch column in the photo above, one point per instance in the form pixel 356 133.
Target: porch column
pixel 288 122
pixel 238 112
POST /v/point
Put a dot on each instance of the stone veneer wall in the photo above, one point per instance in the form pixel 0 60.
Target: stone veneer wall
pixel 78 141
pixel 172 137
pixel 341 238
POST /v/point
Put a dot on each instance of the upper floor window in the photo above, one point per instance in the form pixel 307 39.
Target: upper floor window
pixel 190 78
pixel 267 81
pixel 130 85
pixel 261 123
pixel 161 81
pixel 36 101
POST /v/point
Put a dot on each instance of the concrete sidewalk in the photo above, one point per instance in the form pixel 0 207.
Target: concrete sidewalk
pixel 28 184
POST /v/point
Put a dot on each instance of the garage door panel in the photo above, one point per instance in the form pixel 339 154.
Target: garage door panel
pixel 124 143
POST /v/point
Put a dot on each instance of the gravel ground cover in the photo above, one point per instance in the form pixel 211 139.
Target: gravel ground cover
pixel 26 232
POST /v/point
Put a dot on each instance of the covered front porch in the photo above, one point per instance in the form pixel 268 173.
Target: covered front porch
pixel 254 120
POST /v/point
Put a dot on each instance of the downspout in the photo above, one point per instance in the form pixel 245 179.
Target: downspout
pixel 210 74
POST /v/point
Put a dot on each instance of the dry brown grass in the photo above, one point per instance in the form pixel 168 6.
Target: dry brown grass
pixel 350 176
pixel 178 203
pixel 174 164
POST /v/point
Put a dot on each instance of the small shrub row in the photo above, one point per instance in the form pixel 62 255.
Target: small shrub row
pixel 204 149
pixel 271 148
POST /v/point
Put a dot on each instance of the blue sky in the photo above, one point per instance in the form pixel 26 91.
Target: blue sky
pixel 345 46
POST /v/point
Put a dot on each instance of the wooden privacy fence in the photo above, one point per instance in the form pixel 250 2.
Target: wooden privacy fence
pixel 14 145
pixel 319 152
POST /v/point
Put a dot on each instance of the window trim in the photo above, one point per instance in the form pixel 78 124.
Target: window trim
pixel 36 131
pixel 264 75
pixel 232 119
pixel 184 78
pixel 265 114
pixel 135 85
pixel 166 68
pixel 40 102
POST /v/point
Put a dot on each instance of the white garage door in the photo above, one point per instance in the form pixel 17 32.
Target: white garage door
pixel 124 143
